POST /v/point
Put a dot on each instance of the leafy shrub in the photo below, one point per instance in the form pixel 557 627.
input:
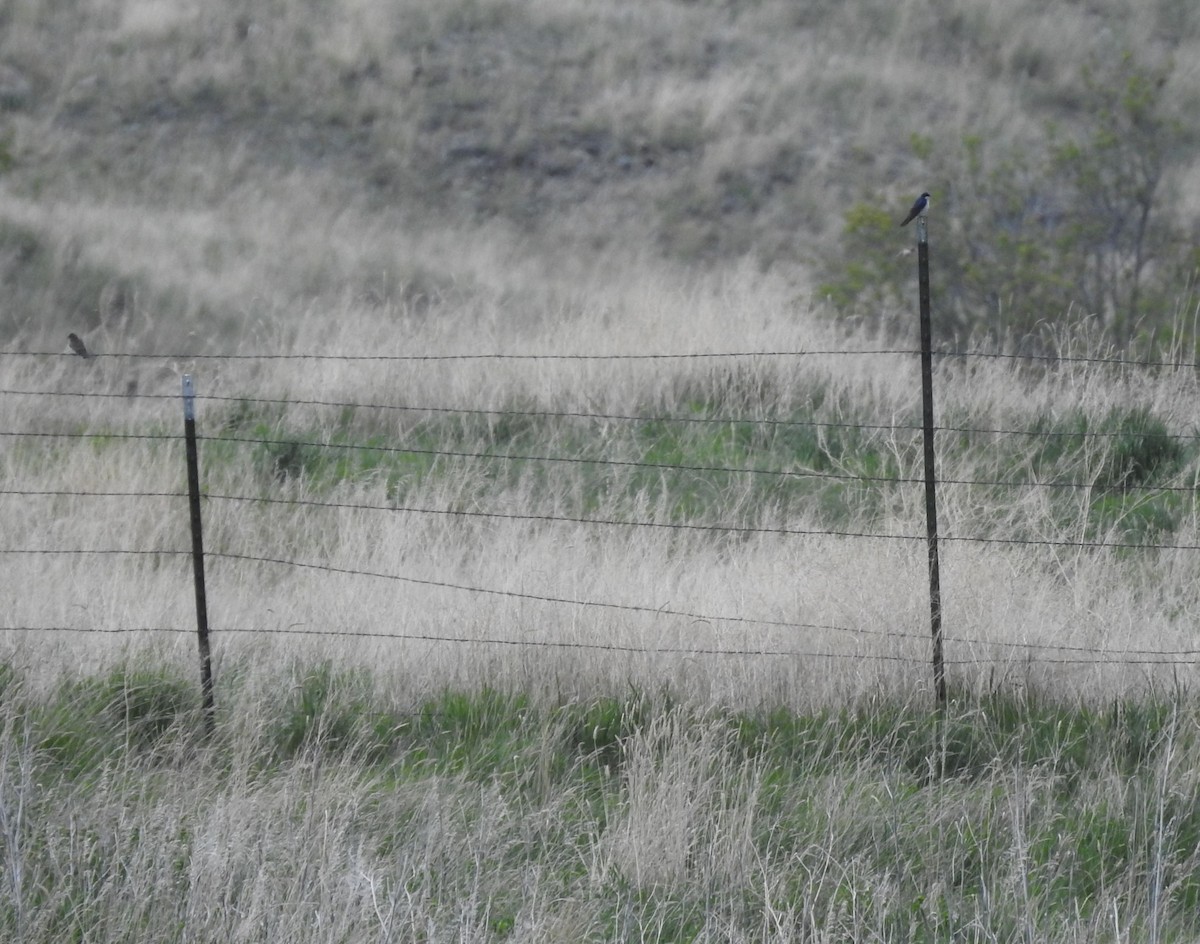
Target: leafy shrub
pixel 1029 233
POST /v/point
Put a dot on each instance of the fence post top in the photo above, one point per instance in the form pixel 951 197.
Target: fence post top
pixel 189 398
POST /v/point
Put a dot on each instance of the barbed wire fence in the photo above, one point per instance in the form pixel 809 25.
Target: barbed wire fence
pixel 1046 653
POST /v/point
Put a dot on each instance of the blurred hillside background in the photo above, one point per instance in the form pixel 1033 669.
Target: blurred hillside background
pixel 176 172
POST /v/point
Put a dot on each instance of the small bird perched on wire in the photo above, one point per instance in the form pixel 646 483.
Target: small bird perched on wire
pixel 920 208
pixel 78 346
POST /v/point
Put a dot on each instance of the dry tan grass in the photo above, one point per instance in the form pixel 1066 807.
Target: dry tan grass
pixel 995 595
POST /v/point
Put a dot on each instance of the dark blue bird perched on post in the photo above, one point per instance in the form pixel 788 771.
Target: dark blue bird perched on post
pixel 78 346
pixel 920 208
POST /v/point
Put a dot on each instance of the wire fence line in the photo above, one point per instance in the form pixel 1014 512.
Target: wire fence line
pixel 266 500
pixel 801 473
pixel 767 421
pixel 483 356
pixel 1045 653
pixel 721 421
pixel 1181 656
pixel 1126 656
pixel 1053 359
pixel 1148 658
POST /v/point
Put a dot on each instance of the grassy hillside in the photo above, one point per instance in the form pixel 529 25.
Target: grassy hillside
pixel 222 163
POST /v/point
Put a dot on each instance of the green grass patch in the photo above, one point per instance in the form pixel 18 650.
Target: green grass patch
pixel 633 810
pixel 698 468
pixel 686 468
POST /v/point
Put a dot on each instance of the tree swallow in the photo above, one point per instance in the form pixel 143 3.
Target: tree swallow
pixel 78 346
pixel 920 208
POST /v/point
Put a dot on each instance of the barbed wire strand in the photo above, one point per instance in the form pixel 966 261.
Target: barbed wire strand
pixel 623 463
pixel 650 357
pixel 522 595
pixel 1099 657
pixel 667 611
pixel 726 470
pixel 101 551
pixel 459 454
pixel 479 356
pixel 607 417
pixel 609 522
pixel 446 585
